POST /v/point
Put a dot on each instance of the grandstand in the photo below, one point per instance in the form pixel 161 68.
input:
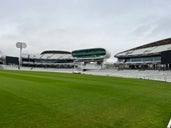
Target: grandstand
pixel 92 58
pixel 49 59
pixel 155 55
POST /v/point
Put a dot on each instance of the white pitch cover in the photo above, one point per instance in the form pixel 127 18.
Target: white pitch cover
pixel 169 124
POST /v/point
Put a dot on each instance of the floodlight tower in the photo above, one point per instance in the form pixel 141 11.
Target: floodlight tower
pixel 20 45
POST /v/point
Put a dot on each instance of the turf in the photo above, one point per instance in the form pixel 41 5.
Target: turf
pixel 59 100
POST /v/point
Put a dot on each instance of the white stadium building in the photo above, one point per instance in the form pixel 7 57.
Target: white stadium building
pixel 155 55
pixel 51 58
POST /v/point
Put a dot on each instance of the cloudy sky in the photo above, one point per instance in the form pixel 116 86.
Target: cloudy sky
pixel 77 24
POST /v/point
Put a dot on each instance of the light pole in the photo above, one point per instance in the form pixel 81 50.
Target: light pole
pixel 20 45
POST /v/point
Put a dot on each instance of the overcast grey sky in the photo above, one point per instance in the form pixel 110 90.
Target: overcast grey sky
pixel 77 24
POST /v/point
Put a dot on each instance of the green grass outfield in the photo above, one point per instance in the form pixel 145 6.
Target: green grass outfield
pixel 59 100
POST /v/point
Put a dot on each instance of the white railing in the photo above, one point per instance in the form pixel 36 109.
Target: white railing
pixel 169 124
